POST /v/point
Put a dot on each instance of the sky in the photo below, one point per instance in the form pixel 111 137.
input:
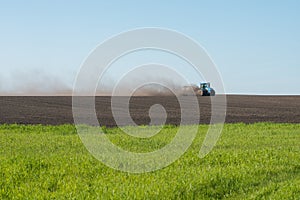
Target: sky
pixel 255 44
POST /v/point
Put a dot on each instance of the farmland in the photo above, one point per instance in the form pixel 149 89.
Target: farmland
pixel 250 161
pixel 56 110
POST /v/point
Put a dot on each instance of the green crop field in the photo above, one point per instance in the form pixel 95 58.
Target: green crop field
pixel 256 161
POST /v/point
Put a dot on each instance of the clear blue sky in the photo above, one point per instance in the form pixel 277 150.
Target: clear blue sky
pixel 255 44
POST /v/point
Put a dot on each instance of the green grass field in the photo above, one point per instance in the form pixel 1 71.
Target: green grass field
pixel 257 161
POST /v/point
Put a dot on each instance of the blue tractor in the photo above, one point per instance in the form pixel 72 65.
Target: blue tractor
pixel 206 90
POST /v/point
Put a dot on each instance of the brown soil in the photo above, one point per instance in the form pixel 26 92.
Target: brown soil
pixel 240 108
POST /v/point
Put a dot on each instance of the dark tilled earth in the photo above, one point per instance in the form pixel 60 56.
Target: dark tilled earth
pixel 56 110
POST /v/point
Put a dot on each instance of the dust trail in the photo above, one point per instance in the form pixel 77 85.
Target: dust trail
pixel 34 83
pixel 151 80
pixel 40 83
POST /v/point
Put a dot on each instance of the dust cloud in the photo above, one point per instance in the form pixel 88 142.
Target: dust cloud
pixel 33 83
pixel 39 83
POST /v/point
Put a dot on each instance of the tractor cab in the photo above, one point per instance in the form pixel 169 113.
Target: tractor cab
pixel 204 85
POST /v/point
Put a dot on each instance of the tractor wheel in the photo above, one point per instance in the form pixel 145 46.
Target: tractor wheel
pixel 212 93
